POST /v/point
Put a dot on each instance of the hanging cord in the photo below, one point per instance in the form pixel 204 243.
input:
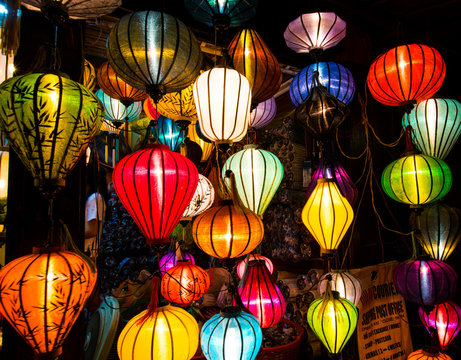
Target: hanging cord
pixel 153 300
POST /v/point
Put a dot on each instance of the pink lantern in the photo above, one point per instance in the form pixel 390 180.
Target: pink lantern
pixel 263 114
pixel 170 260
pixel 242 264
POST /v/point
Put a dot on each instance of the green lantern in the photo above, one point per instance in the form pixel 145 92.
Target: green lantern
pixel 416 179
pixel 49 121
pixel 258 174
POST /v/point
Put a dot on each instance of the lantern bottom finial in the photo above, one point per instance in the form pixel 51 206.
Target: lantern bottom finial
pixel 52 355
pixel 156 92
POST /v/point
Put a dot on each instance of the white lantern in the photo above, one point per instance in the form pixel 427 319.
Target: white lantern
pixel 348 285
pixel 202 199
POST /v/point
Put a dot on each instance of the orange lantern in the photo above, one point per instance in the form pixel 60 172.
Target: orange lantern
pixel 428 354
pixel 42 294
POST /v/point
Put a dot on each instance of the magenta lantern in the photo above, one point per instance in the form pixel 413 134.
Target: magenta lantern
pixel 169 260
pixel 242 264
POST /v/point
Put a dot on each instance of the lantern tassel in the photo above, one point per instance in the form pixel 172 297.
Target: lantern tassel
pixel 153 299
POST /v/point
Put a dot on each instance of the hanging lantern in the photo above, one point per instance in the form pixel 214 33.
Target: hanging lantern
pixel 440 230
pixel 42 294
pixel 427 355
pixel 315 32
pixel 155 52
pixel 251 57
pixel 116 112
pixel 202 200
pixel 222 98
pixel 406 74
pixel 231 334
pixel 169 133
pixel 4 171
pixel 139 126
pixel 263 114
pixel 336 78
pixel 345 283
pixel 150 110
pixel 170 260
pixel 205 145
pixel 49 139
pixel 116 88
pixel 168 333
pixel 416 179
pixel 258 174
pixel 445 318
pixel 327 215
pixel 88 76
pixel 425 282
pixel 436 126
pixel 155 185
pixel 225 231
pixel 243 264
pixel 333 320
pixel 111 127
pixel 75 9
pixel 261 296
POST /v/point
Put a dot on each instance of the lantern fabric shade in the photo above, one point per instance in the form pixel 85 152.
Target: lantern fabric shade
pixel 319 30
pixel 426 355
pixel 205 145
pixel 116 112
pixel 111 127
pixel 76 9
pixel 263 114
pixel 150 110
pixel 170 260
pixel 88 75
pixel 243 264
pixel 169 133
pixel 436 126
pixel 202 200
pixel 406 74
pixel 345 283
pixel 416 179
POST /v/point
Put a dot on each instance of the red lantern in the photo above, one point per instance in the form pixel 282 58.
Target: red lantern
pixel 406 74
pixel 150 110
pixel 155 185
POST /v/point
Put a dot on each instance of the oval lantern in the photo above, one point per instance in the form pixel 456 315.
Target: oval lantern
pixel 336 78
pixel 416 179
pixel 88 75
pixel 225 231
pixel 345 283
pixel 75 9
pixel 169 133
pixel 231 334
pixel 116 112
pixel 436 126
pixel 243 264
pixel 263 114
pixel 42 295
pixel 155 52
pixel 168 333
pixel 170 260
pixel 261 296
pixel 202 200
pixel 205 145
pixel 258 174
pixel 428 355
pixel 155 185
pixel 50 138
pixel 445 318
pixel 406 74
pixel 314 32
pixel 252 58
pixel 425 282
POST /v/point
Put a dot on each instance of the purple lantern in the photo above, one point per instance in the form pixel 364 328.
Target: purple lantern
pixel 169 260
pixel 425 282
pixel 263 114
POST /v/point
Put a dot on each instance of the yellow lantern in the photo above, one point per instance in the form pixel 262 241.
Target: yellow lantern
pixel 327 215
pixel 4 164
pixel 89 75
pixel 206 146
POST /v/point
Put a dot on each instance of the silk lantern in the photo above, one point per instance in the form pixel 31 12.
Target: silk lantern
pixel 4 171
pixel 252 58
pixel 243 264
pixel 261 296
pixel 436 126
pixel 427 355
pixel 406 74
pixel 155 185
pixel 425 282
pixel 42 295
pixel 50 120
pixel 170 260
pixel 169 133
pixel 345 283
pixel 75 9
pixel 202 200
pixel 154 51
pixel 168 333
pixel 222 98
pixel 263 114
pixel 205 145
pixel 258 174
pixel 416 179
pixel 327 215
pixel 231 334
pixel 116 112
pixel 150 110
pixel 88 75
pixel 445 318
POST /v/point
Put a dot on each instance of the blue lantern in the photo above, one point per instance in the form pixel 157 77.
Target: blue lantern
pixel 116 111
pixel 169 133
pixel 231 335
pixel 335 77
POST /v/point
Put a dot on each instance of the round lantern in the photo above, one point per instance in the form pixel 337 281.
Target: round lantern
pixel 169 133
pixel 261 296
pixel 263 114
pixel 436 126
pixel 406 74
pixel 243 264
pixel 75 9
pixel 155 185
pixel 205 145
pixel 251 57
pixel 327 215
pixel 50 138
pixel 445 318
pixel 168 333
pixel 155 52
pixel 222 98
pixel 258 174
pixel 416 179
pixel 202 200
pixel 336 78
pixel 231 335
pixel 88 75
pixel 117 112
pixel 150 110
pixel 345 283
pixel 314 31
pixel 440 230
pixel 116 88
pixel 333 320
pixel 184 283
pixel 427 355
pixel 170 260
pixel 425 282
pixel 42 295
pixel 225 231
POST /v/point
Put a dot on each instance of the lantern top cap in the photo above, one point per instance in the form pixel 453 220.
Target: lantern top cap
pixel 250 146
pixel 183 262
pixel 325 180
pixel 257 262
pixel 231 311
pixel 46 250
pixel 157 146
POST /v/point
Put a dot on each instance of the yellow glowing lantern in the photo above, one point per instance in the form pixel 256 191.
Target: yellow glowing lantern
pixel 206 146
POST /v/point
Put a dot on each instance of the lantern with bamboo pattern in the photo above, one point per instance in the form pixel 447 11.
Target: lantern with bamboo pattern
pixel 205 144
pixel 202 200
pixel 243 264
pixel 75 9
pixel 170 260
pixel 263 114
pixel 169 133
pixel 116 112
pixel 345 283
pixel 428 355
pixel 88 75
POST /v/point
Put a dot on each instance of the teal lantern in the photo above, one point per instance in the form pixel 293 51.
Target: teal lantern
pixel 116 112
pixel 258 174
pixel 169 133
